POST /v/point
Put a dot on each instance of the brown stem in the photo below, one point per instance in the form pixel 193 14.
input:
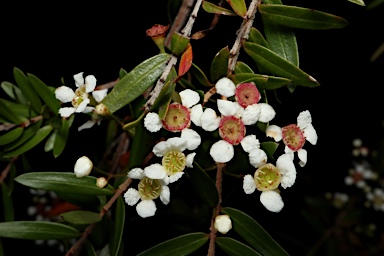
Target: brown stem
pixel 107 85
pixel 5 127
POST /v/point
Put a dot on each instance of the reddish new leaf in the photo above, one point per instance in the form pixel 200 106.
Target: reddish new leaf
pixel 185 61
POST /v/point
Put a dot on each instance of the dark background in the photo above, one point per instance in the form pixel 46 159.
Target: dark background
pixel 58 41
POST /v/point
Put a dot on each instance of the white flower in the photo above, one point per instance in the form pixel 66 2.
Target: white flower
pixel 223 224
pixel 83 167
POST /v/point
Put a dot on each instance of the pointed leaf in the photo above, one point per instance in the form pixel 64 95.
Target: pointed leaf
pixel 269 148
pixel 51 141
pixel 115 242
pixel 81 217
pixel 11 135
pixel 89 248
pixel 8 114
pixel 203 185
pixel 179 246
pixel 13 92
pixel 211 8
pixel 27 90
pixel 374 4
pixel 233 247
pixel 219 65
pixel 299 17
pixel 26 135
pixel 200 76
pixel 253 233
pixel 241 67
pixel 185 61
pixel 239 7
pixel 63 182
pixel 134 123
pixel 62 136
pixel 179 43
pixel 45 93
pixel 256 37
pixel 277 65
pixel 263 82
pixel 37 230
pixel 135 82
pixel 9 214
pixel 359 2
pixel 40 135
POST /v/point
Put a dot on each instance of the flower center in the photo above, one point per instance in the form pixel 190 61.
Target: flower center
pixel 267 177
pixel 177 118
pixel 293 137
pixel 232 129
pixel 149 189
pixel 80 96
pixel 247 94
pixel 173 162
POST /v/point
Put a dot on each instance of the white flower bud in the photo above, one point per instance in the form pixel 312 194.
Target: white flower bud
pixel 101 182
pixel 83 167
pixel 223 223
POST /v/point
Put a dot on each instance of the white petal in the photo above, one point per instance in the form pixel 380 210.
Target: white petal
pixel 192 137
pixel 189 98
pixel 189 159
pixel 302 154
pixel 64 94
pixel 226 107
pixel 267 113
pixel 165 195
pixel 272 200
pixel 99 95
pixel 82 105
pixel 175 177
pixel 86 125
pixel 257 157
pixel 195 114
pixel 304 119
pixel 132 196
pixel 209 120
pixel 90 83
pixel 222 151
pixel 152 122
pixel 250 142
pixel 176 143
pixel 66 112
pixel 146 208
pixel 251 114
pixel 274 132
pixel 155 171
pixel 239 109
pixel 160 148
pixel 136 173
pixel 223 224
pixel 79 80
pixel 83 167
pixel 287 169
pixel 310 134
pixel 225 87
pixel 88 109
pixel 249 185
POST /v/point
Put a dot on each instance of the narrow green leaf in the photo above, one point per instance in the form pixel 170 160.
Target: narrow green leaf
pixel 239 7
pixel 51 141
pixel 122 73
pixel 141 146
pixel 63 182
pixel 178 43
pixel 45 94
pixel 219 65
pixel 200 76
pixel 374 4
pixel 179 246
pixel 277 65
pixel 11 135
pixel 117 236
pixel 13 92
pixel 8 114
pixel 90 202
pixel 269 148
pixel 203 185
pixel 263 82
pixel 26 135
pixel 37 230
pixel 299 17
pixel 211 8
pixel 81 217
pixel 253 233
pixel 256 37
pixel 134 123
pixel 359 2
pixel 7 202
pixel 135 82
pixel 40 135
pixel 241 67
pixel 22 110
pixel 89 248
pixel 233 247
pixel 62 136
pixel 27 90
pixel 165 96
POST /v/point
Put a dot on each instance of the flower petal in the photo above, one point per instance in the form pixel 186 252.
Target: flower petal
pixel 249 185
pixel 90 83
pixel 189 98
pixel 86 125
pixel 310 134
pixel 250 142
pixel 189 159
pixel 267 113
pixel 175 177
pixel 155 172
pixel 66 112
pixel 226 107
pixel 82 105
pixel 287 169
pixel 192 138
pixel 152 122
pixel 257 157
pixel 83 167
pixel 176 143
pixel 146 208
pixel 272 200
pixel 136 173
pixel 79 80
pixel 225 87
pixel 132 196
pixel 251 114
pixel 221 151
pixel 99 95
pixel 274 132
pixel 302 154
pixel 161 148
pixel 196 113
pixel 165 195
pixel 64 94
pixel 304 119
pixel 209 120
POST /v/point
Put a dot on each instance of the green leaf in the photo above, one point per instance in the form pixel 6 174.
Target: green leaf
pixel 62 136
pixel 51 141
pixel 141 146
pixel 203 185
pixel 11 135
pixel 219 65
pixel 37 230
pixel 269 148
pixel 8 114
pixel 178 43
pixel 9 214
pixel 277 65
pixel 233 247
pixel 135 82
pixel 211 8
pixel 13 92
pixel 256 37
pixel 27 90
pixel 299 17
pixel 241 67
pixel 374 4
pixel 89 248
pixel 23 111
pixel 179 246
pixel 118 230
pixel 263 82
pixel 81 217
pixel 164 97
pixel 238 6
pixel 200 76
pixel 27 134
pixel 90 202
pixel 63 182
pixel 359 2
pixel 40 135
pixel 253 233
pixel 43 91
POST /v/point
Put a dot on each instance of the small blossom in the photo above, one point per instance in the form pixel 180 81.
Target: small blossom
pixel 376 198
pixel 83 167
pixel 223 224
pixel 101 182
